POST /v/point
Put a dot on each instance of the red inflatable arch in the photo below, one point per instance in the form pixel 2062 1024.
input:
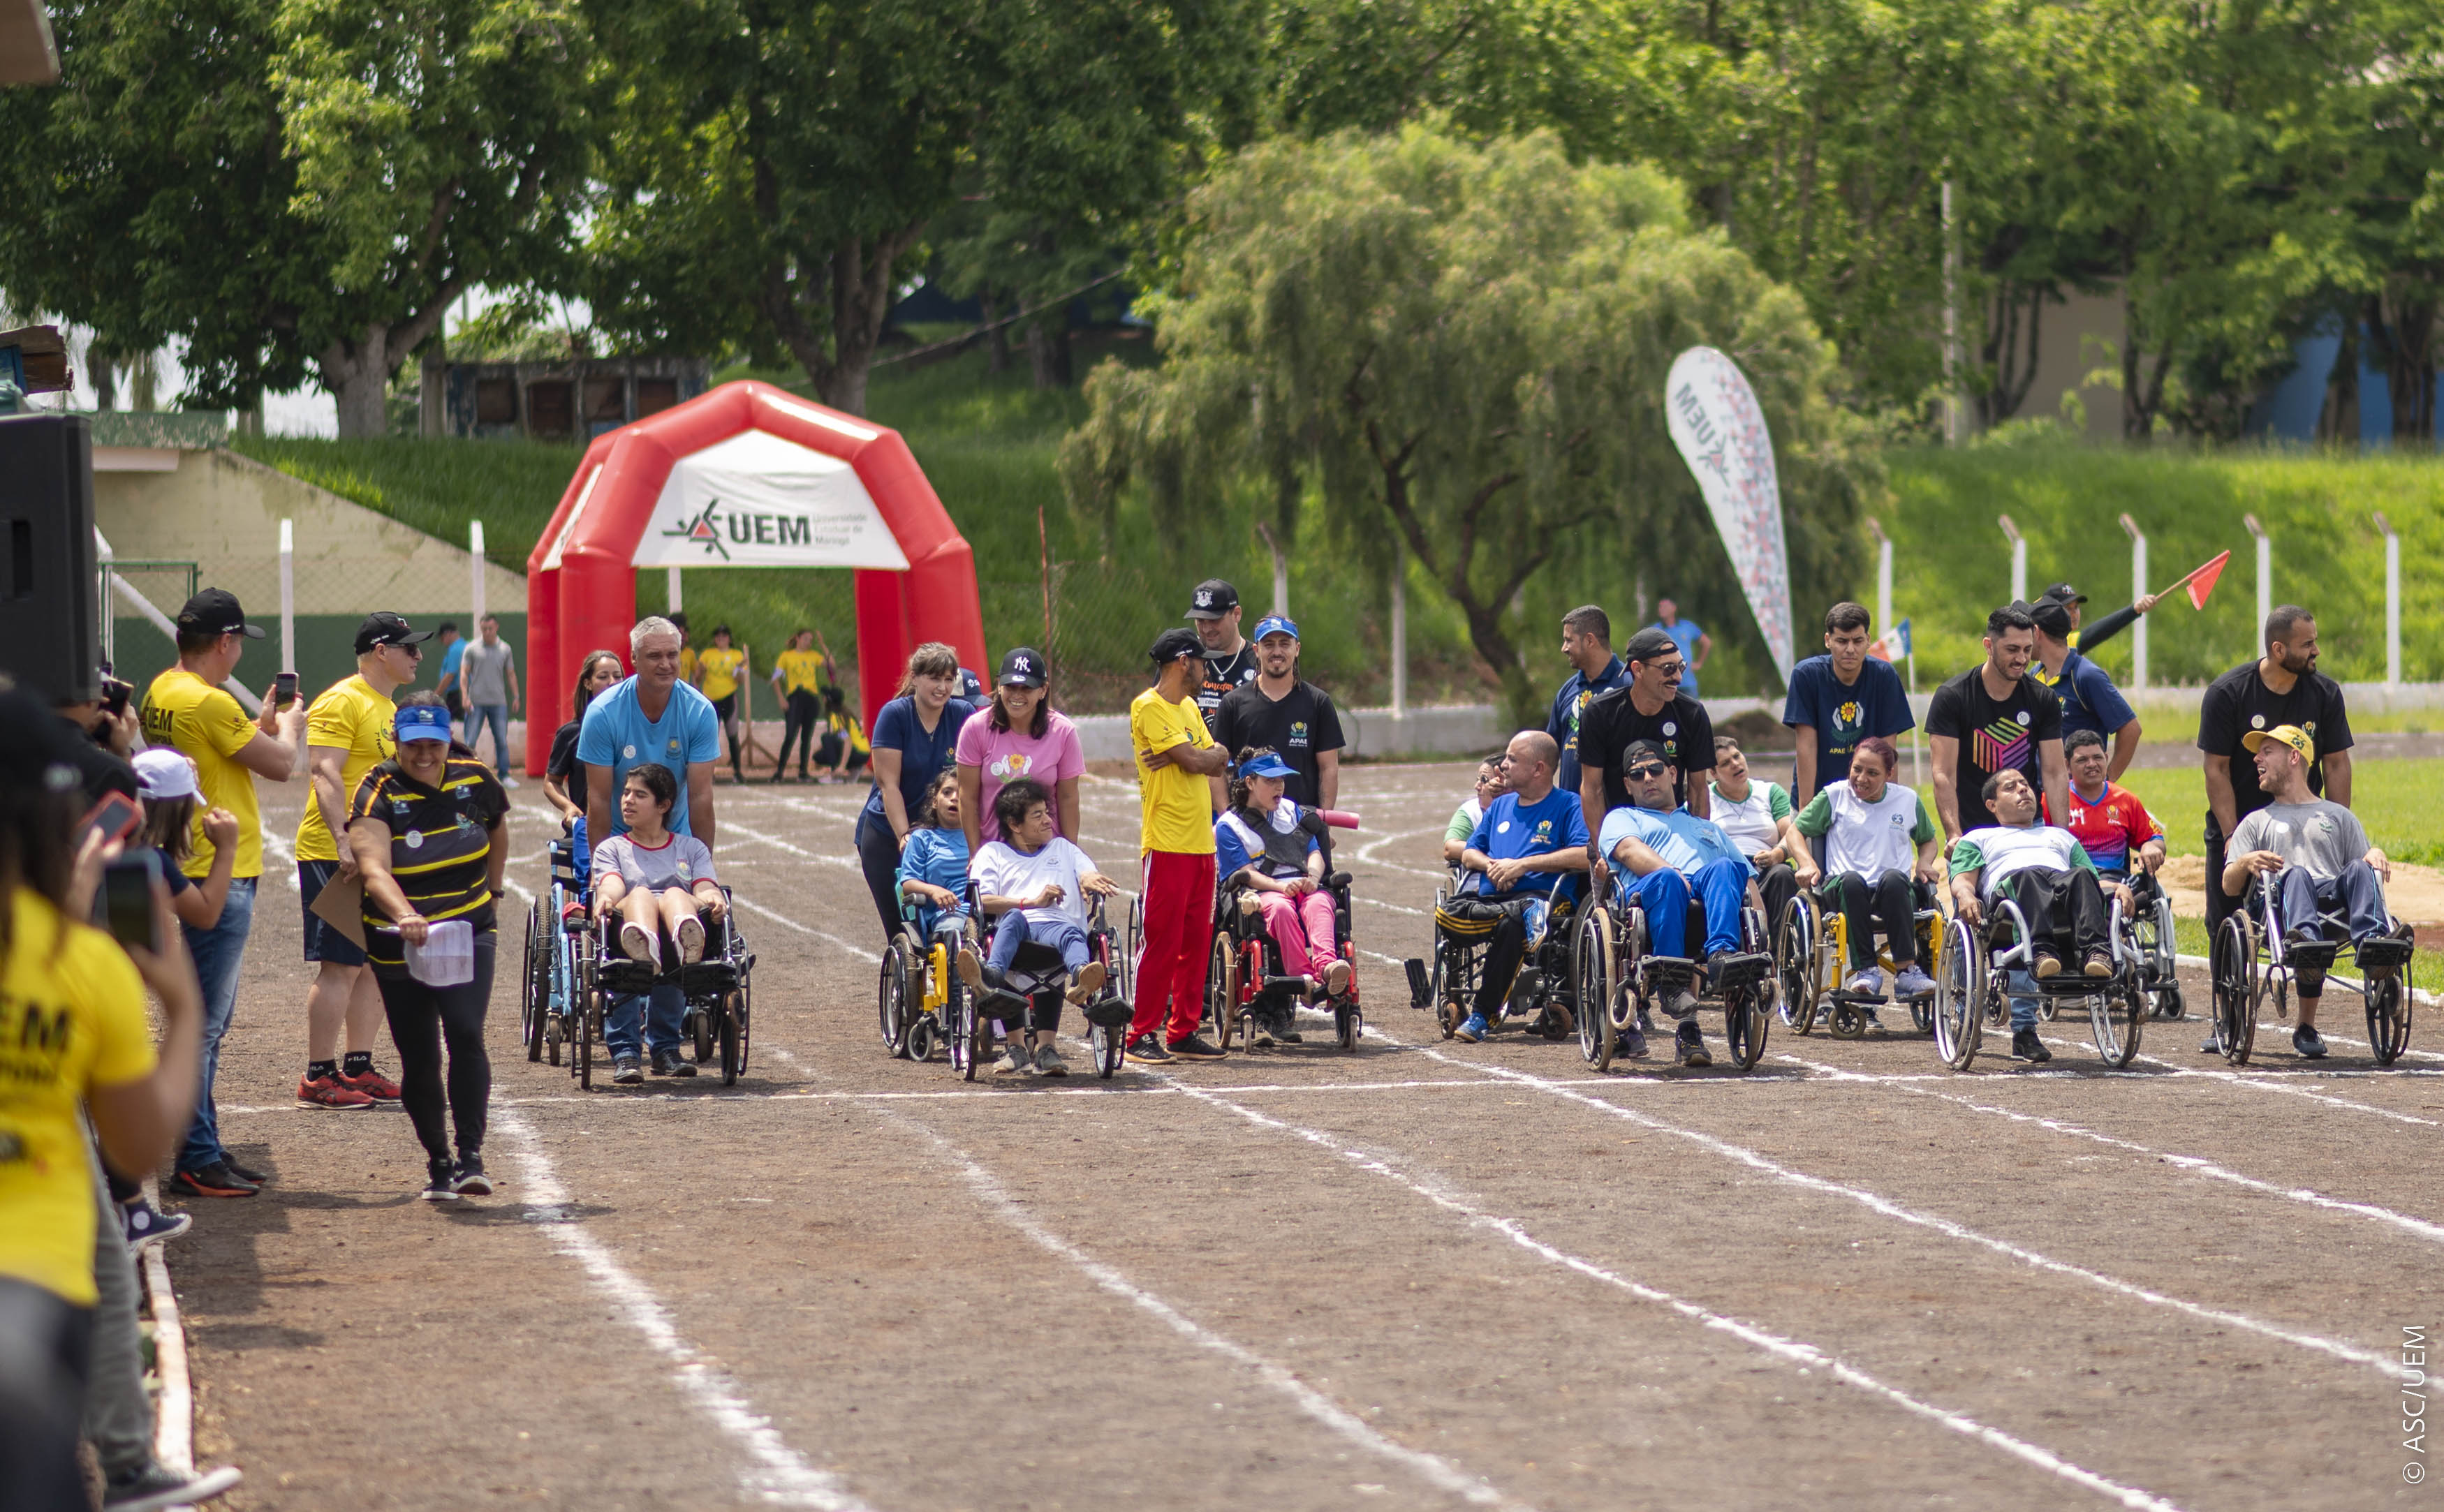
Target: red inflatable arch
pixel 747 475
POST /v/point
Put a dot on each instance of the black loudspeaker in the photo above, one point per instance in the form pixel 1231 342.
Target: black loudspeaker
pixel 50 624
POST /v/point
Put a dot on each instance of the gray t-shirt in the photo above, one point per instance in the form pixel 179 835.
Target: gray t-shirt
pixel 2322 836
pixel 484 672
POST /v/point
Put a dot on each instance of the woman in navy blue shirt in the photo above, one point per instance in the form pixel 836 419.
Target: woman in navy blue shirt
pixel 916 739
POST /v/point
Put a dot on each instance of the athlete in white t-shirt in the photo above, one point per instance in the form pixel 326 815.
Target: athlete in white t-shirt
pixel 1879 841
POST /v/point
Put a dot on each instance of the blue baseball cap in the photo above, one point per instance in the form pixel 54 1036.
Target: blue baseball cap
pixel 1272 624
pixel 1267 767
pixel 421 722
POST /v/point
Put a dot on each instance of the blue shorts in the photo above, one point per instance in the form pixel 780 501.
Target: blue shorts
pixel 324 943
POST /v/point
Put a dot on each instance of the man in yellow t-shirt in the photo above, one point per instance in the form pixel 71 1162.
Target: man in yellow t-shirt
pixel 347 734
pixel 1175 834
pixel 187 708
pixel 720 670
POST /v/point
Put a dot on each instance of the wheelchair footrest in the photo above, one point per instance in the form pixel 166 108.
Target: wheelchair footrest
pixel 2316 955
pixel 1421 983
pixel 1109 1011
pixel 1742 972
pixel 625 977
pixel 1296 985
pixel 2379 953
pixel 709 976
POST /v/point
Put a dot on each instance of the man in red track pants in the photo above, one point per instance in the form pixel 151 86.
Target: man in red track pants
pixel 1175 758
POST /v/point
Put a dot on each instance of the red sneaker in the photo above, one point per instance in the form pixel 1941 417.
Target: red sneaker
pixel 373 1084
pixel 330 1092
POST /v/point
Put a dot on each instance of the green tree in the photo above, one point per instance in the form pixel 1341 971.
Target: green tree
pixel 771 167
pixel 1462 348
pixel 295 185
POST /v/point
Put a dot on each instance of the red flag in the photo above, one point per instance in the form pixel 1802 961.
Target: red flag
pixel 2203 580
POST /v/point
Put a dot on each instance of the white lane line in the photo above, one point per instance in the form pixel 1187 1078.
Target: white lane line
pixel 1876 1203
pixel 1366 851
pixel 776 1473
pixel 1806 1357
pixel 1396 908
pixel 2432 1232
pixel 2267 1085
pixel 870 957
pixel 760 837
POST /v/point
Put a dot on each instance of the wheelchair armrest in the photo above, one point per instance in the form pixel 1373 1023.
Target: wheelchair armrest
pixel 1339 881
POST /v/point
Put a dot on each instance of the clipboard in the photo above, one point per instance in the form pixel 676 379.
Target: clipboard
pixel 342 905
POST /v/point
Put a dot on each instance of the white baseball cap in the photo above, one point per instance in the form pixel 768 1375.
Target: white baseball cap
pixel 164 774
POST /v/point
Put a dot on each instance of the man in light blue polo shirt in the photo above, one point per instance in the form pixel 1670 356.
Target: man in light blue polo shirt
pixel 651 717
pixel 1664 857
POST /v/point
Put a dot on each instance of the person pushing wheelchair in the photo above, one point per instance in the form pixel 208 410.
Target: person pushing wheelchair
pixel 2045 871
pixel 2317 856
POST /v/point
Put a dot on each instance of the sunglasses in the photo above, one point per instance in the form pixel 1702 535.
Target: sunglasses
pixel 1650 769
pixel 1669 669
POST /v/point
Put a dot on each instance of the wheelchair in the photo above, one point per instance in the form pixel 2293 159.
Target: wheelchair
pixel 1245 990
pixel 1972 995
pixel 717 991
pixel 1545 993
pixel 1621 975
pixel 2250 962
pixel 1811 957
pixel 548 996
pixel 931 1004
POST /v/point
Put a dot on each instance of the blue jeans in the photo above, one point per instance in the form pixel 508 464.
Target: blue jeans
pixel 1665 895
pixel 1013 930
pixel 218 952
pixel 661 1010
pixel 497 717
pixel 2300 897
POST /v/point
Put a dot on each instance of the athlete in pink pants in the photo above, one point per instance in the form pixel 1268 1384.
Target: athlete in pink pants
pixel 1262 845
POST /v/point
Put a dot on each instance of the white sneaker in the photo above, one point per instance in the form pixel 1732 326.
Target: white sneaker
pixel 510 782
pixel 1867 983
pixel 1914 982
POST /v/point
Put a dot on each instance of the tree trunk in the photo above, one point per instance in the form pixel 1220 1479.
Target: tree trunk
pixel 1048 349
pixel 104 377
pixel 357 374
pixel 996 337
pixel 2410 360
pixel 2338 420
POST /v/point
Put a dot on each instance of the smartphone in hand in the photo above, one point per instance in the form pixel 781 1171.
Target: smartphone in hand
pixel 115 818
pixel 283 691
pixel 124 904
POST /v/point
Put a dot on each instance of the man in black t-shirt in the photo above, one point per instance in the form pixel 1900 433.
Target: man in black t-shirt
pixel 1995 717
pixel 1230 662
pixel 1649 707
pixel 1285 712
pixel 2284 687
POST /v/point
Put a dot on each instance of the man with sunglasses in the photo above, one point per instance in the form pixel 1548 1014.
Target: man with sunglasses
pixel 1668 857
pixel 1650 708
pixel 347 734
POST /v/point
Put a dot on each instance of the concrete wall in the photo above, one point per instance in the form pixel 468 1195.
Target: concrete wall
pixel 222 511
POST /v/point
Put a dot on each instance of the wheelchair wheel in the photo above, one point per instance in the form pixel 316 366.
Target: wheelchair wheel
pixel 2389 1004
pixel 1347 1025
pixel 705 1032
pixel 891 997
pixel 1221 989
pixel 2237 983
pixel 2168 1001
pixel 1108 1046
pixel 971 1037
pixel 1591 962
pixel 921 1038
pixel 2113 1020
pixel 734 1036
pixel 534 982
pixel 1746 1023
pixel 1794 964
pixel 1960 987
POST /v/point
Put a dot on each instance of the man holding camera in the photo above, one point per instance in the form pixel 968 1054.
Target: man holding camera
pixel 187 708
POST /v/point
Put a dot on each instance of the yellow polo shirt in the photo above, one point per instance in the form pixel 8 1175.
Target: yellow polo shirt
pixel 720 670
pixel 353 717
pixel 801 671
pixel 182 710
pixel 71 1019
pixel 1176 806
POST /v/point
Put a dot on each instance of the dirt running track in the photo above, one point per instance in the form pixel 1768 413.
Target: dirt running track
pixel 1426 1275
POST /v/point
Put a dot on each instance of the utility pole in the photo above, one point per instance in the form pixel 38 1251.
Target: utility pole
pixel 2137 591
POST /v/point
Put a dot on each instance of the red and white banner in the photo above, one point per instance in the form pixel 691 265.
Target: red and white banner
pixel 1721 433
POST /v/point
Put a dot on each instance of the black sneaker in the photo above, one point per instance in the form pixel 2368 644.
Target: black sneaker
pixel 261 1178
pixel 1631 1044
pixel 1287 1037
pixel 2308 1042
pixel 2027 1047
pixel 156 1486
pixel 1196 1047
pixel 215 1180
pixel 1691 1045
pixel 466 1178
pixel 667 1063
pixel 146 1226
pixel 626 1071
pixel 1147 1049
pixel 438 1186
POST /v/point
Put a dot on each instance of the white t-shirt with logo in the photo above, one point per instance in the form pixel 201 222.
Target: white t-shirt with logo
pixel 2002 850
pixel 1754 823
pixel 1001 870
pixel 1863 839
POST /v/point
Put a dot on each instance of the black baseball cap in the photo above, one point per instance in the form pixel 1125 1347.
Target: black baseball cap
pixel 2052 616
pixel 1636 749
pixel 1172 644
pixel 1212 599
pixel 1020 668
pixel 215 612
pixel 382 628
pixel 2062 592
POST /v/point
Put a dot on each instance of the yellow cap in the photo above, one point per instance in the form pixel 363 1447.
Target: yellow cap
pixel 2291 735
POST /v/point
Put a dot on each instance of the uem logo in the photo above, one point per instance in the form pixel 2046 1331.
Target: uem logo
pixel 707 529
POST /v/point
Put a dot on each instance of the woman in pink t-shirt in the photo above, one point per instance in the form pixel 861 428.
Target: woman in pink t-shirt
pixel 1018 735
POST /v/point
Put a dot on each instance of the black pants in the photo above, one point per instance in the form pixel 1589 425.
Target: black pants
pixel 725 708
pixel 2064 908
pixel 45 1344
pixel 1777 886
pixel 1501 922
pixel 423 1019
pixel 804 711
pixel 1887 902
pixel 877 853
